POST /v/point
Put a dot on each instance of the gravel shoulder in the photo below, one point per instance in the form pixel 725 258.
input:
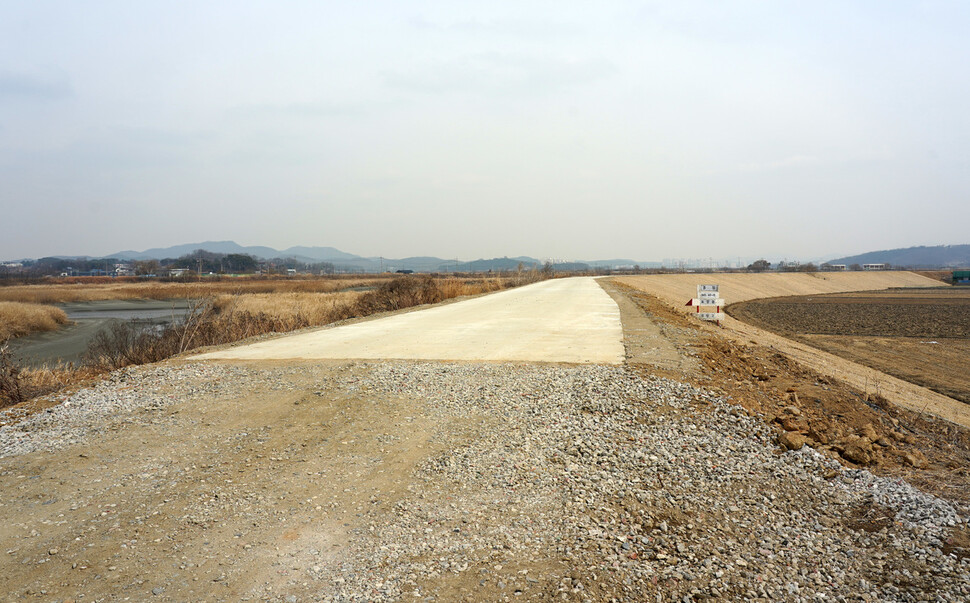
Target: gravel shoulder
pixel 354 480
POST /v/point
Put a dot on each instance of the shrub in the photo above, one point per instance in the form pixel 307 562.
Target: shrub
pixel 11 385
pixel 404 292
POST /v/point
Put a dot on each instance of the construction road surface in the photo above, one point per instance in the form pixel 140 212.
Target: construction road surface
pixel 560 320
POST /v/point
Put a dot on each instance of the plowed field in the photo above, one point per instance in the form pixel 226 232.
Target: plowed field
pixel 922 336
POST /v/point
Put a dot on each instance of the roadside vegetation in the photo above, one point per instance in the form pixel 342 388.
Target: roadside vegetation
pixel 221 318
pixel 18 319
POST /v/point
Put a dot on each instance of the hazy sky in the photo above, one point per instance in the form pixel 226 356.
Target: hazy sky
pixel 567 130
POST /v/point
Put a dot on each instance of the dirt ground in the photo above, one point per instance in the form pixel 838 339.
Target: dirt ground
pixel 939 364
pixel 254 460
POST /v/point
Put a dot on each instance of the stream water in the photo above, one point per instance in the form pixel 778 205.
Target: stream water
pixel 68 343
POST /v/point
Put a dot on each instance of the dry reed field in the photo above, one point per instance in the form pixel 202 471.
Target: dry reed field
pixel 292 310
pixel 18 319
pixel 109 289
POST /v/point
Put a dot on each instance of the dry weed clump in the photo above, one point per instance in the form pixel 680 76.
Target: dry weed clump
pixel 413 291
pixel 18 384
pixel 18 319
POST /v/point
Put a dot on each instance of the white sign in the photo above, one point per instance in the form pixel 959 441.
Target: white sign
pixel 708 295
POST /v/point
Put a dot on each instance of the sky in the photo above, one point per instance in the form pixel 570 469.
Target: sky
pixel 566 130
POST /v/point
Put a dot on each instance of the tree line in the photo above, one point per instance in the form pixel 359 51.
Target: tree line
pixel 199 261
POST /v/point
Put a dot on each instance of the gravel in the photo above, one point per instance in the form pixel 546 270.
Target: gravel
pixel 100 409
pixel 581 482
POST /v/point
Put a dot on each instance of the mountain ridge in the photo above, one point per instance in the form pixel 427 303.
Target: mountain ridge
pixel 935 256
pixel 345 260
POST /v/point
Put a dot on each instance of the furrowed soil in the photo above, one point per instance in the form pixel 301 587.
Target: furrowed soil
pixel 922 336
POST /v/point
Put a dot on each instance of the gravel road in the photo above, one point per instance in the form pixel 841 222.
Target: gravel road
pixel 420 480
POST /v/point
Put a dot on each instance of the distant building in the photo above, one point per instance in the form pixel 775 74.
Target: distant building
pixel 291 271
pixel 178 272
pixel 961 277
pixel 873 266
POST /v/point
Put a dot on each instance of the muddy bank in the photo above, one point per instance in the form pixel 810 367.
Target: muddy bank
pixel 68 343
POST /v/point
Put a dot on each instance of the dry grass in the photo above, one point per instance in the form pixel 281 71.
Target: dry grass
pixel 18 319
pixel 40 381
pixel 456 287
pixel 18 384
pixel 293 310
pixel 99 290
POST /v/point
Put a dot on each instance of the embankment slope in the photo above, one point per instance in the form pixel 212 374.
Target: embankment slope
pixel 678 288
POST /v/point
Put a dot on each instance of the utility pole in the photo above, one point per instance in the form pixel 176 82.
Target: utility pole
pixel 382 264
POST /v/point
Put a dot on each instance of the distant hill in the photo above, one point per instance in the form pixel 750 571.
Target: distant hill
pixel 939 256
pixel 418 264
pixel 348 261
pixel 496 264
pixel 623 264
pixel 322 254
pixel 160 253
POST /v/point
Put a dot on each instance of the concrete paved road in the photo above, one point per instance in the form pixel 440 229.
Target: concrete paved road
pixel 561 320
